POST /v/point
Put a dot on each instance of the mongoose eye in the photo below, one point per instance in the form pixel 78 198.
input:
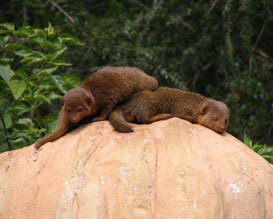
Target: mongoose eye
pixel 215 119
pixel 226 121
pixel 68 110
pixel 80 110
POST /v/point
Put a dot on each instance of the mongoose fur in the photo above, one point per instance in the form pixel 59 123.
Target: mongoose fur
pixel 97 97
pixel 152 105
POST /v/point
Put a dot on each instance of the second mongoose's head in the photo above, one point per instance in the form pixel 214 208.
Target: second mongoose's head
pixel 214 115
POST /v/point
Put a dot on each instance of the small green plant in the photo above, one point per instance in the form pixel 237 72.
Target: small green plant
pixel 264 150
pixel 31 71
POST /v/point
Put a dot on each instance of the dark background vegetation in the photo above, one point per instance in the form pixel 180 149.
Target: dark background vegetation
pixel 219 48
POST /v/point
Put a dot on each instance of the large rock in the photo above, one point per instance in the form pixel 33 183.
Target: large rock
pixel 168 169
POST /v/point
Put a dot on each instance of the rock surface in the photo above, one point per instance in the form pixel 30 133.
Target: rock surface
pixel 168 169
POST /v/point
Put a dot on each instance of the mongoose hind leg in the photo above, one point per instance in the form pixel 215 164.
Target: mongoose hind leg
pixel 161 116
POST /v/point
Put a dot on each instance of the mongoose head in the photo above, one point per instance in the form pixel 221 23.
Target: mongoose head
pixel 78 103
pixel 214 115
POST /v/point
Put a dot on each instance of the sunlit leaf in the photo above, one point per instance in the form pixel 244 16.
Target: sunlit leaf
pixel 54 96
pixel 19 49
pixel 25 31
pixel 5 61
pixel 6 72
pixel 247 141
pixel 33 59
pixel 60 63
pixel 260 151
pixel 48 70
pixel 24 121
pixel 70 81
pixel 8 26
pixel 17 86
pixel 41 98
pixel 47 45
pixel 56 80
pixel 68 39
pixel 50 30
pixel 56 54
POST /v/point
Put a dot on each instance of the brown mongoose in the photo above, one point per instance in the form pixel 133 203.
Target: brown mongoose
pixel 152 105
pixel 96 97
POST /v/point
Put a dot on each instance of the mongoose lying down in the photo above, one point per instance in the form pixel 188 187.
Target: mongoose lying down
pixel 148 106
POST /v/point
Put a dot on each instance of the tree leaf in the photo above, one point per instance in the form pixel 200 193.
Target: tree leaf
pixel 54 96
pixel 57 43
pixel 48 70
pixel 37 40
pixel 6 72
pixel 8 26
pixel 5 61
pixel 22 72
pixel 41 98
pixel 60 63
pixel 7 120
pixel 33 59
pixel 40 54
pixel 269 149
pixel 3 40
pixel 19 50
pixel 23 52
pixel 52 56
pixel 57 81
pixel 47 45
pixel 247 141
pixel 68 39
pixel 25 31
pixel 17 86
pixel 260 151
pixel 24 121
pixel 50 30
pixel 70 81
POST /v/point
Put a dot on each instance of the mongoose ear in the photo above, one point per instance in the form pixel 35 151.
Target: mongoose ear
pixel 62 101
pixel 88 100
pixel 229 110
pixel 204 110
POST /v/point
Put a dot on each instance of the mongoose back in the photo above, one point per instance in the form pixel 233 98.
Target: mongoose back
pixel 152 105
pixel 96 97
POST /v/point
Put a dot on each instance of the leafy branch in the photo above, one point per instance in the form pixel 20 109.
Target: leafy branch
pixel 263 150
pixel 30 68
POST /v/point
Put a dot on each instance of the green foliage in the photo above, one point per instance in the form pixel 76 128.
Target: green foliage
pixel 219 49
pixel 264 150
pixel 30 66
